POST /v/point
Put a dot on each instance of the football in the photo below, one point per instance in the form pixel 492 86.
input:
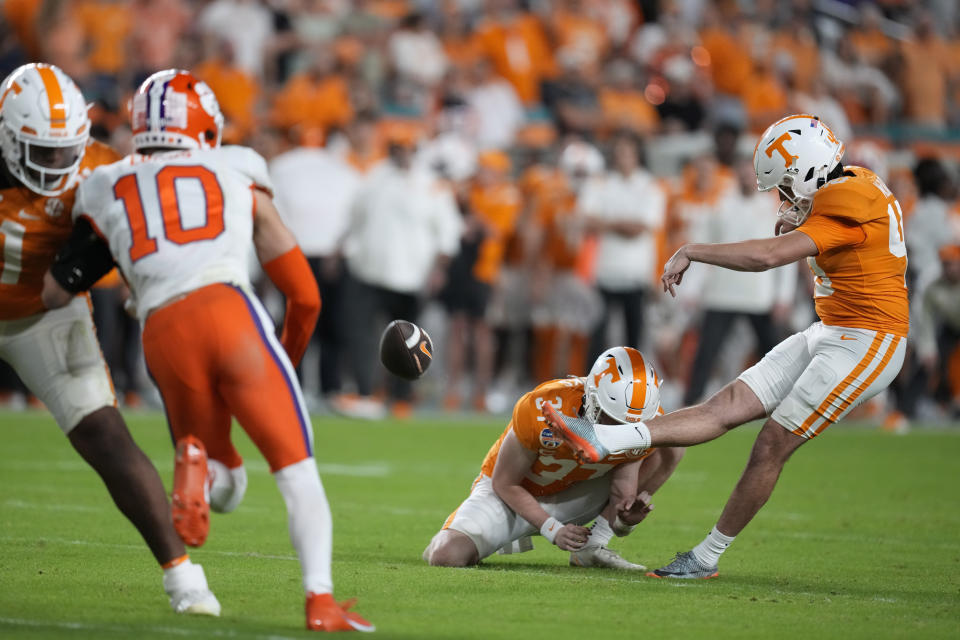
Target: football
pixel 405 349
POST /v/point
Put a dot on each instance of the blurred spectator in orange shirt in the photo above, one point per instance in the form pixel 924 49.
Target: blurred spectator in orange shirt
pixel 460 43
pixel 492 207
pixel 315 99
pixel 236 91
pixel 730 64
pixel 926 70
pixel 578 32
pixel 795 50
pixel 515 42
pixel 107 24
pixel 22 16
pixel 872 44
pixel 623 104
pixel 764 97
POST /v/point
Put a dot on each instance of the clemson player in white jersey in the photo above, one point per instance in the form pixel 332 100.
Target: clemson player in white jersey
pixel 179 218
pixel 848 226
pixel 44 141
pixel 530 481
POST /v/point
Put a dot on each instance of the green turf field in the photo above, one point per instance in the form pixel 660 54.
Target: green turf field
pixel 861 539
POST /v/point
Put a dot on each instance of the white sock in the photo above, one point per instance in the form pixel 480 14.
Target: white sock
pixel 311 526
pixel 600 534
pixel 228 486
pixel 622 437
pixel 708 552
pixel 185 576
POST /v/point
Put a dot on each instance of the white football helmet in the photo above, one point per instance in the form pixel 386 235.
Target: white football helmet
pixel 795 155
pixel 623 385
pixel 43 127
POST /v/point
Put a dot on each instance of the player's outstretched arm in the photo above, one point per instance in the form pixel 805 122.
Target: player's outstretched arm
pixel 513 461
pixel 749 255
pixel 286 266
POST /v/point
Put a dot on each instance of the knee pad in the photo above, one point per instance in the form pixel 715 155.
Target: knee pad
pixel 228 486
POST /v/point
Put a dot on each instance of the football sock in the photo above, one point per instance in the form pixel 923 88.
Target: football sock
pixel 600 533
pixel 311 526
pixel 619 437
pixel 227 487
pixel 182 575
pixel 708 552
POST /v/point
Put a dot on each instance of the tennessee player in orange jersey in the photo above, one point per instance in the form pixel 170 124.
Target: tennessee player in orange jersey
pixel 848 226
pixel 531 481
pixel 44 142
pixel 179 217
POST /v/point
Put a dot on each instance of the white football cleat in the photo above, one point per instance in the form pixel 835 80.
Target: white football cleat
pixel 600 556
pixel 187 587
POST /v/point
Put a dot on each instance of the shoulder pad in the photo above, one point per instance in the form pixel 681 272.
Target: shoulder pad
pixel 249 163
pixel 850 197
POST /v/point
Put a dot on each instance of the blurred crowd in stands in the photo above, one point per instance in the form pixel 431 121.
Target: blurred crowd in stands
pixel 513 174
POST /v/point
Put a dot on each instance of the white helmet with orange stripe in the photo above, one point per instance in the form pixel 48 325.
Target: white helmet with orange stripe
pixel 623 385
pixel 43 127
pixel 795 155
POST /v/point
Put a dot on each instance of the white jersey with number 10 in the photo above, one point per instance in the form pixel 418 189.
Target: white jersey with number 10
pixel 176 221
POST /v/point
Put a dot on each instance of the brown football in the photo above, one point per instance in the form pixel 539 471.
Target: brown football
pixel 405 349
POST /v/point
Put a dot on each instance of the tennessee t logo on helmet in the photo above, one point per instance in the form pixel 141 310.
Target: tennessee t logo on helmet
pixel 788 158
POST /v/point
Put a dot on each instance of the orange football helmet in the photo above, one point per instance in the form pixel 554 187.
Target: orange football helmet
pixel 172 109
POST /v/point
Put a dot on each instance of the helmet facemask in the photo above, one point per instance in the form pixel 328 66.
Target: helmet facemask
pixel 45 166
pixel 793 209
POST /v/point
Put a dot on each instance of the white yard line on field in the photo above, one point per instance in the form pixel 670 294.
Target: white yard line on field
pixel 364 470
pixel 130 631
pixel 138 547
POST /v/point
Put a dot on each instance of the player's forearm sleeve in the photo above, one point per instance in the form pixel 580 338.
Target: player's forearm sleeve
pixel 293 277
pixel 83 260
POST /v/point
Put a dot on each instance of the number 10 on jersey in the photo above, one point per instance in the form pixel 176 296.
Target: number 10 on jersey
pixel 127 189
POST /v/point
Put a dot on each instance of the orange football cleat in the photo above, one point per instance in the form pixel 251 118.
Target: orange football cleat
pixel 191 492
pixel 326 614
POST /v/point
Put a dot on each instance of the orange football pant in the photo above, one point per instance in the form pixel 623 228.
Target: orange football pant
pixel 213 354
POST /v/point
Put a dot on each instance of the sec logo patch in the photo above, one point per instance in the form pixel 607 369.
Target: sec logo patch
pixel 548 440
pixel 53 207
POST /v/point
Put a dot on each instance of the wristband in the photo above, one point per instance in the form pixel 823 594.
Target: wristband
pixel 550 529
pixel 620 529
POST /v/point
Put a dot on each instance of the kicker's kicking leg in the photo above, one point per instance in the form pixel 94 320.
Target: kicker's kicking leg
pixel 730 407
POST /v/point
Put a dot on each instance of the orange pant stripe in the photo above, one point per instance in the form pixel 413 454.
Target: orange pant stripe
pixel 840 388
pixel 863 387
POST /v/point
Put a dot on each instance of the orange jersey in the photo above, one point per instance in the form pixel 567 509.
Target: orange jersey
pixel 556 467
pixel 32 230
pixel 498 206
pixel 857 225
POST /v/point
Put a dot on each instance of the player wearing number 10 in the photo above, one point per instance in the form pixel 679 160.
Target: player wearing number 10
pixel 179 217
pixel 847 224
